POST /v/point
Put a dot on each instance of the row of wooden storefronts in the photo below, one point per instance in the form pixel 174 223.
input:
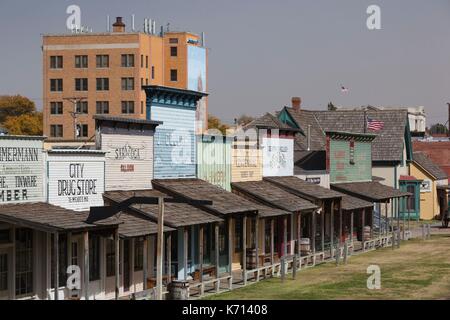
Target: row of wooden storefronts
pixel 89 215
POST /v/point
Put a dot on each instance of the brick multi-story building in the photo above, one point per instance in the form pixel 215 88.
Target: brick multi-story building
pixel 102 73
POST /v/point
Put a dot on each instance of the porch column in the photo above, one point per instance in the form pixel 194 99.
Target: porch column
pixel 160 249
pixel 117 263
pixel 86 264
pixel 403 216
pixel 387 217
pixel 332 228
pixel 379 222
pixel 69 249
pixel 216 245
pixel 180 254
pixel 13 271
pixel 352 217
pixel 185 251
pixel 313 231
pixel 340 225
pixel 56 263
pixel 285 237
pixel 372 221
pixel 145 262
pixel 272 240
pixel 257 241
pixel 322 229
pixel 244 249
pixel 201 252
pixel 363 224
pixel 299 233
pixel 263 237
pixel 392 216
pixel 230 245
pixel 169 257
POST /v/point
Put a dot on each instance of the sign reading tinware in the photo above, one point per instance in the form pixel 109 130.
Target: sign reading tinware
pixel 76 185
pixel 21 170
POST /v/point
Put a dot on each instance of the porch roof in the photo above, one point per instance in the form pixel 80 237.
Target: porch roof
pixel 350 203
pixel 304 189
pixel 269 194
pixel 224 202
pixel 371 191
pixel 176 215
pixel 49 218
pixel 132 226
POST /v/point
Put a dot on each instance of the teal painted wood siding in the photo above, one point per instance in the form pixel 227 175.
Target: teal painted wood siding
pixel 214 161
pixel 342 169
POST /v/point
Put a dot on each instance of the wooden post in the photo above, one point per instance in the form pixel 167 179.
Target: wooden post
pixel 398 222
pixel 313 231
pixel 145 262
pixel 322 229
pixel 294 266
pixel 230 245
pixel 372 221
pixel 263 237
pixel 201 252
pixel 340 225
pixel 345 252
pixel 56 263
pixel 244 249
pixel 257 244
pixel 117 263
pixel 352 217
pixel 363 224
pixel 272 241
pixel 216 249
pixel 332 228
pixel 285 237
pixel 379 221
pixel 185 251
pixel 169 257
pixel 160 249
pixel 387 218
pixel 86 265
pixel 299 234
pixel 403 216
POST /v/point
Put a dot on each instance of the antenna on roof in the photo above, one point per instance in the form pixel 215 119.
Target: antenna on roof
pixel 132 22
pixel 145 25
pixel 108 24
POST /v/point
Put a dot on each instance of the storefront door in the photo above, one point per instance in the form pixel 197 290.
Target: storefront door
pixel 5 274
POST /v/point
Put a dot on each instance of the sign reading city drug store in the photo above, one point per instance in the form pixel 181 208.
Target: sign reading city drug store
pixel 21 169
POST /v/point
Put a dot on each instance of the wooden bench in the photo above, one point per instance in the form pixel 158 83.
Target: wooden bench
pixel 208 270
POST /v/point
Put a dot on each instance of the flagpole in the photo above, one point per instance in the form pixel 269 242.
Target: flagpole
pixel 365 121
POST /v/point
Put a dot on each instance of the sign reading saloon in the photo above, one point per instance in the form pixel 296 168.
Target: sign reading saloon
pixel 278 157
pixel 21 169
pixel 77 184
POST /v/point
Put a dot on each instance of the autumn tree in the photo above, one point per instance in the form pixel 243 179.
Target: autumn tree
pixel 244 120
pixel 438 128
pixel 29 124
pixel 14 106
pixel 215 123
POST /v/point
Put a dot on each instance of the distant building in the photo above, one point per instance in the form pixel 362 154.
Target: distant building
pixel 87 74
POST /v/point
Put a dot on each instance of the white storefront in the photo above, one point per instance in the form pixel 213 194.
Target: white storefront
pixel 278 157
pixel 76 178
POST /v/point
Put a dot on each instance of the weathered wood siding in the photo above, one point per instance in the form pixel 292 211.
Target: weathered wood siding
pixel 214 161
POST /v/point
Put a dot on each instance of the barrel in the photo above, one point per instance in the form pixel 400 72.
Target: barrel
pixel 178 290
pixel 251 259
pixel 367 233
pixel 305 245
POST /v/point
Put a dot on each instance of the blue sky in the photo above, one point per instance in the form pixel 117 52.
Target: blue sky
pixel 264 52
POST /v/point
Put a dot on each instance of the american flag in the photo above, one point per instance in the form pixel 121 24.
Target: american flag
pixel 344 89
pixel 375 125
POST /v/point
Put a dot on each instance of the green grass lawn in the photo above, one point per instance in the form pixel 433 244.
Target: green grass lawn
pixel 418 270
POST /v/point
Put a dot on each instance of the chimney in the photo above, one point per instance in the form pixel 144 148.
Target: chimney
pixel 296 103
pixel 119 26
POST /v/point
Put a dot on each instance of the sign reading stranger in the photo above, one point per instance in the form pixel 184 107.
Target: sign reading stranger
pixel 21 169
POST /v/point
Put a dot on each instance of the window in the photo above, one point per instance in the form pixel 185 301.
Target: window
pixel 174 51
pixel 82 131
pixel 153 72
pixel 128 60
pixel 146 62
pixel 127 83
pixel 142 107
pixel 24 261
pixel 3 272
pixel 110 258
pixel 56 85
pixel 352 152
pixel 142 82
pixel 56 108
pixel 102 107
pixel 82 107
pixel 127 107
pixel 102 84
pixel 102 61
pixel 56 62
pixel 142 61
pixel 5 236
pixel 94 258
pixel 146 81
pixel 138 255
pixel 81 62
pixel 411 200
pixel 173 40
pixel 74 258
pixel 81 84
pixel 56 131
pixel 62 261
pixel 173 75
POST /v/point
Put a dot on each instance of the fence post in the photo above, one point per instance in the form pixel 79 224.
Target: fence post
pixel 423 231
pixel 283 269
pixel 429 231
pixel 345 252
pixel 294 267
pixel 338 254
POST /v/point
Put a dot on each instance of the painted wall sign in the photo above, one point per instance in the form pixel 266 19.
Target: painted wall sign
pixel 77 184
pixel 129 161
pixel 246 163
pixel 278 157
pixel 21 170
pixel 425 186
